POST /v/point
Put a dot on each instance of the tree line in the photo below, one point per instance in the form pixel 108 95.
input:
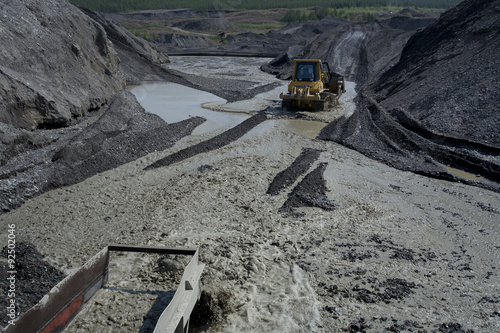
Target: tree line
pixel 124 6
pixel 296 15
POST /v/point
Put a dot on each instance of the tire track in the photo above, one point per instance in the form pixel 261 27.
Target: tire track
pixel 214 143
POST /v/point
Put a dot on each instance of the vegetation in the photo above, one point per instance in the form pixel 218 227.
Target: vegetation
pixel 264 27
pixel 123 6
pixel 364 14
pixel 296 15
pixel 146 31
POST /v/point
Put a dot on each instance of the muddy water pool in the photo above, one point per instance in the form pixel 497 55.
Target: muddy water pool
pixel 174 102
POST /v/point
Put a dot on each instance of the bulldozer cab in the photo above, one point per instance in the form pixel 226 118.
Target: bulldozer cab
pixel 306 71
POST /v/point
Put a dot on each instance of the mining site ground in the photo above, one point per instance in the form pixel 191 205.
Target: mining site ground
pixel 297 234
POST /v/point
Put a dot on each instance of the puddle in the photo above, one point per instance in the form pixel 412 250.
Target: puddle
pixel 464 174
pixel 174 102
pixel 263 101
pixel 309 129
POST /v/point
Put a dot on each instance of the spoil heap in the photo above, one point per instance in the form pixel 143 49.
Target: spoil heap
pixel 50 97
pixel 438 106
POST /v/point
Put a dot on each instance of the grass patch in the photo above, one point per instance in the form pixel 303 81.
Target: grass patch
pixel 264 27
pixel 147 30
pixel 122 6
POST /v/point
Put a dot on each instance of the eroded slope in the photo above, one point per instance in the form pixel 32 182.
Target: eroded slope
pixel 439 104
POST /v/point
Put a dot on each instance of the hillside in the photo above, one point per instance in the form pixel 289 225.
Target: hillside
pixel 359 51
pixel 60 71
pixel 114 6
pixel 59 62
pixel 438 106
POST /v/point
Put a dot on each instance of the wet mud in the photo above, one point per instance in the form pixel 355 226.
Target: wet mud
pixel 398 251
pixel 310 192
pixel 139 288
pixel 354 245
pixel 216 142
pixel 290 175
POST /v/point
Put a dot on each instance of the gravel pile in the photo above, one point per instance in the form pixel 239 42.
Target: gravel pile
pixel 34 278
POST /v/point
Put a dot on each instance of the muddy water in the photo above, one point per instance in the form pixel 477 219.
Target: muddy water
pixel 309 129
pixel 175 102
pixel 464 174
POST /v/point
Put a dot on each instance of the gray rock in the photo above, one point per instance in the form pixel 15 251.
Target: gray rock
pixel 139 59
pixel 56 64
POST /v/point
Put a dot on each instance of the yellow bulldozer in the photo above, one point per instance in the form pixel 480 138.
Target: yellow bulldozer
pixel 313 87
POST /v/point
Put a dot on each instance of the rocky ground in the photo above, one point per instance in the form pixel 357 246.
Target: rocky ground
pixel 35 278
pixel 297 233
pixel 438 106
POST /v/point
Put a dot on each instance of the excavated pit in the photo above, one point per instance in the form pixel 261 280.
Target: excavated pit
pixel 389 250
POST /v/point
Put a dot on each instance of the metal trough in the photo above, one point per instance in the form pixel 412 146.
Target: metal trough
pixel 57 308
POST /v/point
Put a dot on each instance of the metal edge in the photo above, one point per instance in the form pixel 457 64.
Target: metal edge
pixel 65 299
pixel 58 307
pixel 175 318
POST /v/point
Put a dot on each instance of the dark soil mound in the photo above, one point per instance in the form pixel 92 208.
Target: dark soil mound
pixel 359 51
pixel 310 192
pixel 290 175
pixel 174 42
pixel 122 134
pixel 439 104
pixel 34 278
pixel 216 142
pixel 214 23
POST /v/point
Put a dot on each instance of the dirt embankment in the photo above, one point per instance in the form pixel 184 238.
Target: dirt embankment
pixel 359 51
pixel 438 106
pixel 33 161
pixel 57 64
